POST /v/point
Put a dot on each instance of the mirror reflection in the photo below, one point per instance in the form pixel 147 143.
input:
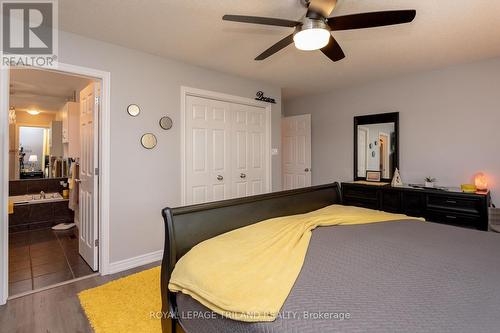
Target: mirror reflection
pixel 376 149
pixel 44 123
pixel 33 152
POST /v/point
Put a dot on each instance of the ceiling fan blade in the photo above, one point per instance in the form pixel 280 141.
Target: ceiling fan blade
pixel 371 20
pixel 275 48
pixel 322 7
pixel 333 50
pixel 261 20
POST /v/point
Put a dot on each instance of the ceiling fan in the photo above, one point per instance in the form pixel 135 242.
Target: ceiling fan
pixel 313 32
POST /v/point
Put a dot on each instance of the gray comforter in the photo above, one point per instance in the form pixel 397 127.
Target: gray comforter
pixel 383 277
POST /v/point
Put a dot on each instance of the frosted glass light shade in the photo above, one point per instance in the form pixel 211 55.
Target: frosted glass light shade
pixel 311 39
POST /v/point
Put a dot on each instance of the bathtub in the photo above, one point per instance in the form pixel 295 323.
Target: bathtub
pixel 32 212
pixel 36 198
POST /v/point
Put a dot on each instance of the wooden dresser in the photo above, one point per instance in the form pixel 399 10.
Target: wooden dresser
pixel 452 207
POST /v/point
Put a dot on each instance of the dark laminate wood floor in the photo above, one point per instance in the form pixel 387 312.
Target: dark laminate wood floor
pixel 56 310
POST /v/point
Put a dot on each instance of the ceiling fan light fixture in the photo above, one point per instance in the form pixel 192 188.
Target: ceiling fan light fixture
pixel 312 35
pixel 311 39
pixel 33 112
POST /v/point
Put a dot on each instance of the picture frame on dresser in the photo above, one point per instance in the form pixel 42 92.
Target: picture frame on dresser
pixel 373 176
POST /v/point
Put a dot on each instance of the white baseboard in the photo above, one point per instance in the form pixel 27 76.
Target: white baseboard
pixel 141 260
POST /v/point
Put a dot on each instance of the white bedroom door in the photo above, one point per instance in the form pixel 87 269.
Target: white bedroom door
pixel 248 150
pixel 207 152
pixel 88 196
pixel 296 143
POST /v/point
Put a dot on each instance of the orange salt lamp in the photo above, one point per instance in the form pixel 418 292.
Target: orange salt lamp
pixel 481 182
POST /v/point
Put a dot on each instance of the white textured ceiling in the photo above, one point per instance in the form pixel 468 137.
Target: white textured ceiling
pixel 44 91
pixel 445 32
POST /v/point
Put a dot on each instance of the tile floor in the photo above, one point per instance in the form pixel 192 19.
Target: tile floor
pixel 41 258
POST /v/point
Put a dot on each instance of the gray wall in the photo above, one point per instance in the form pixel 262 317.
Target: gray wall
pixel 449 118
pixel 145 181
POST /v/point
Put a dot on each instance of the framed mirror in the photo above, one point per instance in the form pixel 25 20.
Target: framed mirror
pixel 166 123
pixel 376 145
pixel 149 141
pixel 133 110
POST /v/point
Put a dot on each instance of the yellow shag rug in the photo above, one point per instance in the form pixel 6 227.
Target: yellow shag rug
pixel 129 304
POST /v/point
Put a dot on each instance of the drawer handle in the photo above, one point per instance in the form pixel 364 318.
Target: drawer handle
pixel 451 217
pixel 451 201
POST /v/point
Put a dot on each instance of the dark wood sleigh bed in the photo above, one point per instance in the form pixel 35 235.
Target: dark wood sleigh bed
pixel 187 226
pixel 407 276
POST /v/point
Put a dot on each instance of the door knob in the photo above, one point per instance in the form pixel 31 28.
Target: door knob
pixel 219 177
pixel 243 176
pixel 306 170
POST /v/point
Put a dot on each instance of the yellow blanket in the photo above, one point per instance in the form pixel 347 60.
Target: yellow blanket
pixel 247 274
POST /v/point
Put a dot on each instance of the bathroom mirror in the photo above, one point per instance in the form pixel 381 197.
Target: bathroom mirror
pixel 166 123
pixel 133 110
pixel 376 145
pixel 148 141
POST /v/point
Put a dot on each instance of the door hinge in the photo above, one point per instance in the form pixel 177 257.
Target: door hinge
pixel 97 100
pixel 96 242
pixel 96 171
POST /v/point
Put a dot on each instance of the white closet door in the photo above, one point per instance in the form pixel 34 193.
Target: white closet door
pixel 248 150
pixel 208 127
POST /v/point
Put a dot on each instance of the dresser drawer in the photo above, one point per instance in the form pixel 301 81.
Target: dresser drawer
pixel 413 203
pixel 391 201
pixel 361 203
pixel 360 196
pixel 452 218
pixel 456 204
pixel 364 193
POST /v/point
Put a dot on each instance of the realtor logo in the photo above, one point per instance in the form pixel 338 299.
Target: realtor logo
pixel 29 33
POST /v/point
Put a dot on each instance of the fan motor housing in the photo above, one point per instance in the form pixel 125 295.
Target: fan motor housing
pixel 308 23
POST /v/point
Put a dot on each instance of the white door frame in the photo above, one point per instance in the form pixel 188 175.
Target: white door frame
pixel 188 91
pixel 367 134
pixel 387 147
pixel 104 167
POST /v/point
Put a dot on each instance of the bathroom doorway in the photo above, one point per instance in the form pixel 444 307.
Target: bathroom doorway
pixel 54 148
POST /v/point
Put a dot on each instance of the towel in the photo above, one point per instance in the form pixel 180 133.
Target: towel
pixel 11 207
pixel 247 274
pixel 73 186
pixel 71 181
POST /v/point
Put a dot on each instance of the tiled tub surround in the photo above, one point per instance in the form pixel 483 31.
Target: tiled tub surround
pixel 34 216
pixel 34 186
pixel 32 212
pixel 41 258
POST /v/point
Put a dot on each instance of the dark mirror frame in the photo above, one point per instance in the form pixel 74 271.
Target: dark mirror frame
pixel 380 118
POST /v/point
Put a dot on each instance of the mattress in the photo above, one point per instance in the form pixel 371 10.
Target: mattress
pixel 400 276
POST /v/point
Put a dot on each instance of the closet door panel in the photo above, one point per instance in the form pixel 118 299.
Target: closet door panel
pixel 208 129
pixel 225 149
pixel 249 128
